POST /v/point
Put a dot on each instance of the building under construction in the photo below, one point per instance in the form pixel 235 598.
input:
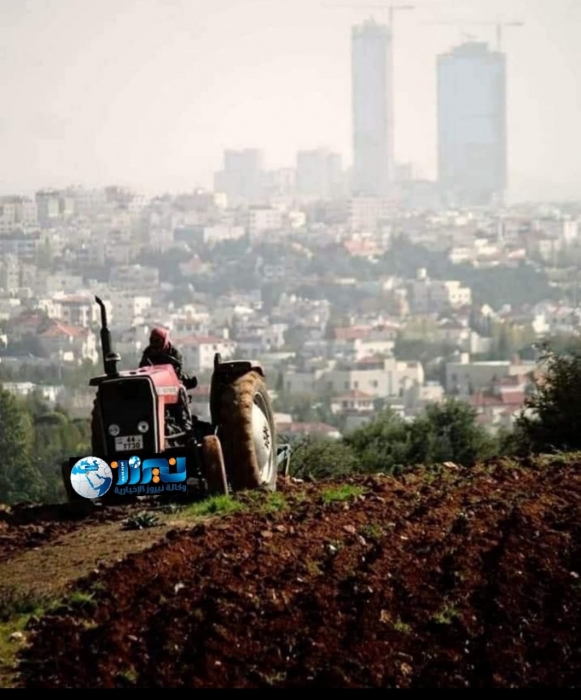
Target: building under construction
pixel 472 144
pixel 372 106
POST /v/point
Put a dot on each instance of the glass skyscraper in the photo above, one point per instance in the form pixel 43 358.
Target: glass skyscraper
pixel 372 109
pixel 472 168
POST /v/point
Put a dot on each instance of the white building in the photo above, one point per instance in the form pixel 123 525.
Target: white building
pixel 367 213
pixel 63 283
pixel 199 351
pixel 135 277
pixel 77 310
pixel 263 219
pixel 464 377
pixel 87 201
pixel 128 309
pixel 379 378
pixel 24 246
pixel 17 213
pixel 432 296
pixel 215 234
pixel 69 343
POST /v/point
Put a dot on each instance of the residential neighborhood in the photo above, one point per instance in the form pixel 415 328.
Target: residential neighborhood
pixel 349 314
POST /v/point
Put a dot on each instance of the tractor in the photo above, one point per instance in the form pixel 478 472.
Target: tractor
pixel 138 419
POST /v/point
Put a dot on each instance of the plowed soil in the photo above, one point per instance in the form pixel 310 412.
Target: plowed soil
pixel 460 578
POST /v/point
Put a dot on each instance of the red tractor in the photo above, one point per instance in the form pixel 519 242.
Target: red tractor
pixel 142 428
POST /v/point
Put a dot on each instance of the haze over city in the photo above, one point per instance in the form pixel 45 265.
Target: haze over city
pixel 149 93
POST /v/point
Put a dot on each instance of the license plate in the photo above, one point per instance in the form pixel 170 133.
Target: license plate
pixel 129 442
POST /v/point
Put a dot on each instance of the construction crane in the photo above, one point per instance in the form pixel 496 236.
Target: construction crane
pixel 499 24
pixel 390 8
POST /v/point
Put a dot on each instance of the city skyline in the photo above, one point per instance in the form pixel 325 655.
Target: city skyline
pixel 151 95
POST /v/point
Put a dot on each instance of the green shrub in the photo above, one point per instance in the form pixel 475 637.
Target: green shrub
pixel 322 458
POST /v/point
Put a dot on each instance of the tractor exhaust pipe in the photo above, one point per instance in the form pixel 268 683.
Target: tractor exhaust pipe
pixel 110 358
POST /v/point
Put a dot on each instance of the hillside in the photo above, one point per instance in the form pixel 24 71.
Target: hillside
pixel 457 578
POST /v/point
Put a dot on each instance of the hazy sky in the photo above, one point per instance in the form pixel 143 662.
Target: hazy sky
pixel 148 93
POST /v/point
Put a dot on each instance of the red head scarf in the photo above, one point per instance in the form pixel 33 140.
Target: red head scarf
pixel 159 338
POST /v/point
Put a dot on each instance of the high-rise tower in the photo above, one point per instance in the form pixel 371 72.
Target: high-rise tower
pixel 472 168
pixel 372 109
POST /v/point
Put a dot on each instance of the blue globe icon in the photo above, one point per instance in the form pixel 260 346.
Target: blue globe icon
pixel 91 477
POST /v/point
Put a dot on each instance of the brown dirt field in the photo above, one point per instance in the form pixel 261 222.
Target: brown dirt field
pixel 469 578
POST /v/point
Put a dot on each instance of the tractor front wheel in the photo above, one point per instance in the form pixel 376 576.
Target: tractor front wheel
pixel 214 469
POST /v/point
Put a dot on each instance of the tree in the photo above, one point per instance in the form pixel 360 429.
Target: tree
pixel 444 432
pixel 279 386
pixel 56 439
pixel 448 432
pixel 552 416
pixel 295 338
pixel 382 445
pixel 322 458
pixel 19 480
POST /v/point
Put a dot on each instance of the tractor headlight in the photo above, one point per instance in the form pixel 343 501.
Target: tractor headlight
pixel 143 426
pixel 114 430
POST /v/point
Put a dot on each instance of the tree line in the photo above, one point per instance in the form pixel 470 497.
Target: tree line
pixel 34 441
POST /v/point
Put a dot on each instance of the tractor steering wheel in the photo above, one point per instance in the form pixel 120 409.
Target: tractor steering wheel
pixel 171 360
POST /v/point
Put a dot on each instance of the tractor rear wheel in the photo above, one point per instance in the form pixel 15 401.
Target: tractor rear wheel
pixel 214 469
pixel 247 433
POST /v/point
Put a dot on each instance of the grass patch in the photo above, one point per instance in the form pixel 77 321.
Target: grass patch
pixel 215 505
pixel 346 492
pixel 15 601
pixel 300 497
pixel 371 532
pixel 17 606
pixel 446 616
pixel 313 568
pixel 80 599
pixel 97 587
pixel 10 648
pixel 396 623
pixel 128 677
pixel 401 626
pixel 276 503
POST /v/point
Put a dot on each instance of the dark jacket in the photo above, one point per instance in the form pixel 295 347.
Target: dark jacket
pixel 170 356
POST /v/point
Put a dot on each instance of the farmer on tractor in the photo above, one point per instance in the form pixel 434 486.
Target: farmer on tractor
pixel 161 351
